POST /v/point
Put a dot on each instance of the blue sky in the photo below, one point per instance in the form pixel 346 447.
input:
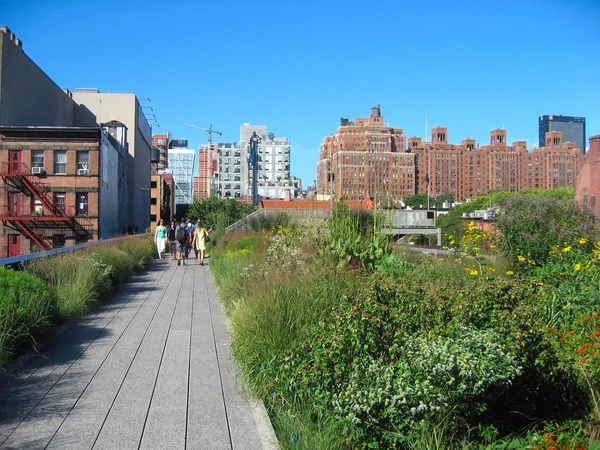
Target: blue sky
pixel 297 67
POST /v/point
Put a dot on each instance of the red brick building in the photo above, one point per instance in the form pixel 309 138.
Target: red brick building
pixel 365 159
pixel 59 186
pixel 207 168
pixel 587 189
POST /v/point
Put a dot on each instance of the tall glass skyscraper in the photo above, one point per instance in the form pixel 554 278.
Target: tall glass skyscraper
pixel 572 128
pixel 181 162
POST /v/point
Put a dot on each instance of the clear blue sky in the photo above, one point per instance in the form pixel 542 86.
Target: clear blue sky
pixel 298 66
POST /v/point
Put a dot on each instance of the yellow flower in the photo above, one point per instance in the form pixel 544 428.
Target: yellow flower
pixel 476 249
pixel 566 249
pixel 492 246
pixel 452 242
pixel 509 272
pixel 531 262
pixel 577 267
pixel 491 269
pixel 521 258
pixel 474 273
pixel 467 269
pixel 582 241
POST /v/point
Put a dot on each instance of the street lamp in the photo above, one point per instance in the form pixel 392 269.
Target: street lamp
pixel 426 180
pixel 253 159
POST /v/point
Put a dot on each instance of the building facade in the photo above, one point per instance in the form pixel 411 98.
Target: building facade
pixel 572 129
pixel 366 159
pixel 181 161
pixel 205 184
pixel 60 186
pixel 161 198
pixel 468 170
pixel 587 191
pixel 125 108
pixel 161 143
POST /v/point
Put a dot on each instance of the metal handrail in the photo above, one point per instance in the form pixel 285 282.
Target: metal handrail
pixel 19 261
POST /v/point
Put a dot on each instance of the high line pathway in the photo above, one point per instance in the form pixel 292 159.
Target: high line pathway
pixel 150 368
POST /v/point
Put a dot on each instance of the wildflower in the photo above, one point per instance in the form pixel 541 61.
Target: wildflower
pixel 583 360
pixel 552 330
pixel 521 258
pixel 531 262
pixel 509 272
pixel 566 249
pixel 467 269
pixel 582 241
pixel 491 269
pixel 474 273
pixel 581 349
pixel 492 246
pixel 577 267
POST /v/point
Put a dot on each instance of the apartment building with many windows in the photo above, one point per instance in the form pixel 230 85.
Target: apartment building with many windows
pixel 367 159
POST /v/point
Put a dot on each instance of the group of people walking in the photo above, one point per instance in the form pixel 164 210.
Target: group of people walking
pixel 181 239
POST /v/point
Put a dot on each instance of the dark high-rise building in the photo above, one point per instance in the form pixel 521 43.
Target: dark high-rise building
pixel 572 128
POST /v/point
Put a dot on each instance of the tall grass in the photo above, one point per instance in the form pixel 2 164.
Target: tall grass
pixel 26 307
pixel 57 288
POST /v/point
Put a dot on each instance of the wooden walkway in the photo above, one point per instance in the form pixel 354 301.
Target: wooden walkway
pixel 150 368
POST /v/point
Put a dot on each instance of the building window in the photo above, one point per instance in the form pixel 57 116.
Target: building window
pixel 59 201
pixel 153 201
pixel 38 209
pixel 37 160
pixel 153 184
pixel 60 163
pixel 152 217
pixel 82 204
pixel 83 163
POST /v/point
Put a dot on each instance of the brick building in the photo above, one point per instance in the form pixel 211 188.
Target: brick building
pixel 587 190
pixel 59 186
pixel 161 198
pixel 205 183
pixel 364 159
pixel 467 170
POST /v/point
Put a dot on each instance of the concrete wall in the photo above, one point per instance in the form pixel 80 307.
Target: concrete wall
pixel 28 97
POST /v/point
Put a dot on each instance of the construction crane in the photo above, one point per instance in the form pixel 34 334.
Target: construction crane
pixel 208 130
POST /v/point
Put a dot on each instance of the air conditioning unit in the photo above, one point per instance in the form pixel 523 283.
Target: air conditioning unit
pixel 83 172
pixel 37 170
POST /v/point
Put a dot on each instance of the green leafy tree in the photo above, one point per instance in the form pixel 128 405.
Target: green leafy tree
pixel 218 213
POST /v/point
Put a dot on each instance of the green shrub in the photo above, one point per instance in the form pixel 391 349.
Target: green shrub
pixel 26 307
pixel 270 222
pixel 120 263
pixel 529 228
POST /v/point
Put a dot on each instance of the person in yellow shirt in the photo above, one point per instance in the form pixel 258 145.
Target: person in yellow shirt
pixel 199 242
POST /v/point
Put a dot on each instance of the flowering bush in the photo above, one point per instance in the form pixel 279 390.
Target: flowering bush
pixel 426 379
pixel 579 350
pixel 530 228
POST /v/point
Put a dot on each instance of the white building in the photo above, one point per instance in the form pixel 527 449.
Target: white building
pixel 125 108
pixel 273 166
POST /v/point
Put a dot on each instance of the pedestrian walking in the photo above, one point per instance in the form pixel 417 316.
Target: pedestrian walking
pixel 172 240
pixel 199 242
pixel 160 239
pixel 182 235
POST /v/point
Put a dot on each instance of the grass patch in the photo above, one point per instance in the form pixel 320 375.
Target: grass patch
pixel 27 305
pixel 53 289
